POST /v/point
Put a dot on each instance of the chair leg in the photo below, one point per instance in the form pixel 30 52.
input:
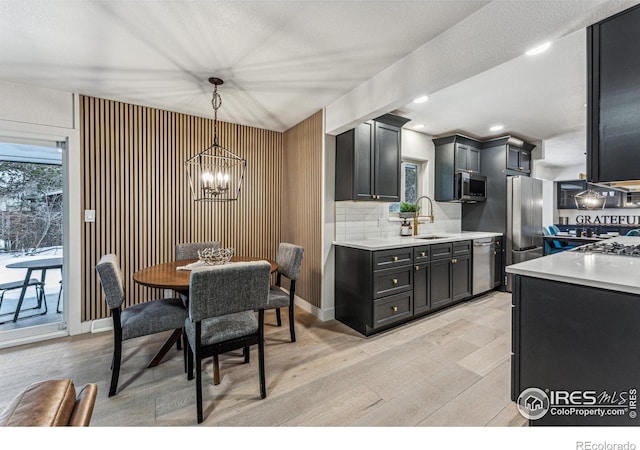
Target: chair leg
pixel 246 351
pixel 184 350
pixel 189 361
pixel 216 370
pixel 292 328
pixel 59 298
pixel 278 317
pixel 115 367
pixel 263 384
pixel 199 388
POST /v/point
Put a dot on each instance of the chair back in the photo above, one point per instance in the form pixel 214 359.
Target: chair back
pixel 545 232
pixel 229 288
pixel 289 259
pixel 633 233
pixel 111 280
pixel 553 230
pixel 189 250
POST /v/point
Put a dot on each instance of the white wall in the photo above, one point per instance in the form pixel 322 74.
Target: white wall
pixel 36 113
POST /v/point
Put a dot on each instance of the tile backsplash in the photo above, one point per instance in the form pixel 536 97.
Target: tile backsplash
pixel 367 220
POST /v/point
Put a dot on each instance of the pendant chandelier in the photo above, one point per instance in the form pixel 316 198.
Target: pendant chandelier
pixel 590 199
pixel 215 174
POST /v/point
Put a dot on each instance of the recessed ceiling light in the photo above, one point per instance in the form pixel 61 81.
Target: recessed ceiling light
pixel 496 128
pixel 422 99
pixel 418 126
pixel 539 49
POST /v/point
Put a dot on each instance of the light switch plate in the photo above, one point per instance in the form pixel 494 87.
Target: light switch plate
pixel 89 215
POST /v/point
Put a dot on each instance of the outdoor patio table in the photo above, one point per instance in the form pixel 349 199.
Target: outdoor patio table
pixel 36 264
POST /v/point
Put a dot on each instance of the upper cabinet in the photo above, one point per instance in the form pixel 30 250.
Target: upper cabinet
pixel 454 154
pixel 613 125
pixel 467 158
pixel 368 160
pixel 518 159
pixel 508 153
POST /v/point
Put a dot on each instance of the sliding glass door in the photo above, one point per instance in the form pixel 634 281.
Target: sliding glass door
pixel 31 236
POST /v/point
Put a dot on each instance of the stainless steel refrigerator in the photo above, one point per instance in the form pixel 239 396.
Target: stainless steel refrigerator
pixel 524 221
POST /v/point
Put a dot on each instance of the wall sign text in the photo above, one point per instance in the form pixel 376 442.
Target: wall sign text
pixel 607 219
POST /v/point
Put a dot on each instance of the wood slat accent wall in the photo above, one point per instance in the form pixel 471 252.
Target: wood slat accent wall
pixel 134 177
pixel 301 218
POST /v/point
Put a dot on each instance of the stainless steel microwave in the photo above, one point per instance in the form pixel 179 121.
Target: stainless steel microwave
pixel 470 188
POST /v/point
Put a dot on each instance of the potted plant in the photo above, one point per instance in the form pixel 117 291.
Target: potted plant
pixel 407 210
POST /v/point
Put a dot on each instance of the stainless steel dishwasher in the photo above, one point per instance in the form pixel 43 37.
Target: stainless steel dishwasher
pixel 483 265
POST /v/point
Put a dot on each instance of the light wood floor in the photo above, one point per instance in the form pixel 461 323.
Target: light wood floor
pixel 448 369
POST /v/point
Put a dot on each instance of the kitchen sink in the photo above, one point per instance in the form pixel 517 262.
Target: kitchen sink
pixel 432 237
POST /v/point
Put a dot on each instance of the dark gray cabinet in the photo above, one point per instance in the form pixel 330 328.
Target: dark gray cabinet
pixel 368 160
pixel 421 280
pixel 376 290
pixel 613 98
pixel 507 153
pixel 467 158
pixel 450 273
pixel 518 159
pixel 454 154
pixel 373 289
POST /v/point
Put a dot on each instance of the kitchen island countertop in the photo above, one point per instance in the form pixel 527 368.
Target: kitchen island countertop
pixel 613 272
pixel 413 241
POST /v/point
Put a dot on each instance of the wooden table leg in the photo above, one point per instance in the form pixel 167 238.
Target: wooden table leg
pixel 216 370
pixel 175 336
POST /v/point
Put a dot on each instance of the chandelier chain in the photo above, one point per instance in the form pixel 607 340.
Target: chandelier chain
pixel 216 103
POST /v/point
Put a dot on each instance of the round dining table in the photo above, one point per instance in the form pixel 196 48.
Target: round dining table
pixel 168 276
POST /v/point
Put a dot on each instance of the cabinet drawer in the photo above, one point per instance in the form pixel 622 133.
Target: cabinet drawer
pixel 391 281
pixel 392 258
pixel 392 309
pixel 441 251
pixel 421 254
pixel 461 248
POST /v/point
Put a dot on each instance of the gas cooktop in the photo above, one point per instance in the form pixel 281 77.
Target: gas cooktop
pixel 610 248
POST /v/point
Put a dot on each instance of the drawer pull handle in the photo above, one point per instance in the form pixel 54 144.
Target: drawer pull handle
pixel 454 261
pixel 423 254
pixel 417 267
pixel 395 281
pixel 395 258
pixel 394 308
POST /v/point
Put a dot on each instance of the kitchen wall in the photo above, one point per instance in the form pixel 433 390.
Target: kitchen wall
pixel 370 220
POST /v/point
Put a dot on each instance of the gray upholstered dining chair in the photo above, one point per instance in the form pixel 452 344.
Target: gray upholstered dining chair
pixel 138 320
pixel 222 304
pixel 289 259
pixel 189 250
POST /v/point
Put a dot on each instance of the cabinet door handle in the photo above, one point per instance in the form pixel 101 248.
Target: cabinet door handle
pixel 394 281
pixel 453 261
pixel 423 254
pixel 521 168
pixel 417 267
pixel 395 258
pixel 494 253
pixel 394 308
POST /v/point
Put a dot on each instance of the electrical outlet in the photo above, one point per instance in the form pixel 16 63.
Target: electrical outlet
pixel 89 215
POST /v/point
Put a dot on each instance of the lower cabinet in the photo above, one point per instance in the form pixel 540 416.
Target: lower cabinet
pixel 376 290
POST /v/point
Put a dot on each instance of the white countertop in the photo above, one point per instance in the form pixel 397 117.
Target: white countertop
pixel 613 272
pixel 414 241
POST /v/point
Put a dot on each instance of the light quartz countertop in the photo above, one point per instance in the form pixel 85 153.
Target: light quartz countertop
pixel 414 241
pixel 612 272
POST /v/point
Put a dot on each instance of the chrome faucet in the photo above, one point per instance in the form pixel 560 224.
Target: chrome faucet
pixel 415 218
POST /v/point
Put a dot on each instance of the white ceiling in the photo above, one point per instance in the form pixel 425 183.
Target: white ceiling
pixel 281 60
pixel 284 60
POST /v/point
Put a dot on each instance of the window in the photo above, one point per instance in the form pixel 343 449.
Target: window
pixel 409 184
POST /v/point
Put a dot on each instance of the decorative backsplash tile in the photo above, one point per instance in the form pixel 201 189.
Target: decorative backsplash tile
pixel 367 220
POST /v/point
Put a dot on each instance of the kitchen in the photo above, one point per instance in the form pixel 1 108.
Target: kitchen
pixel 448 217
